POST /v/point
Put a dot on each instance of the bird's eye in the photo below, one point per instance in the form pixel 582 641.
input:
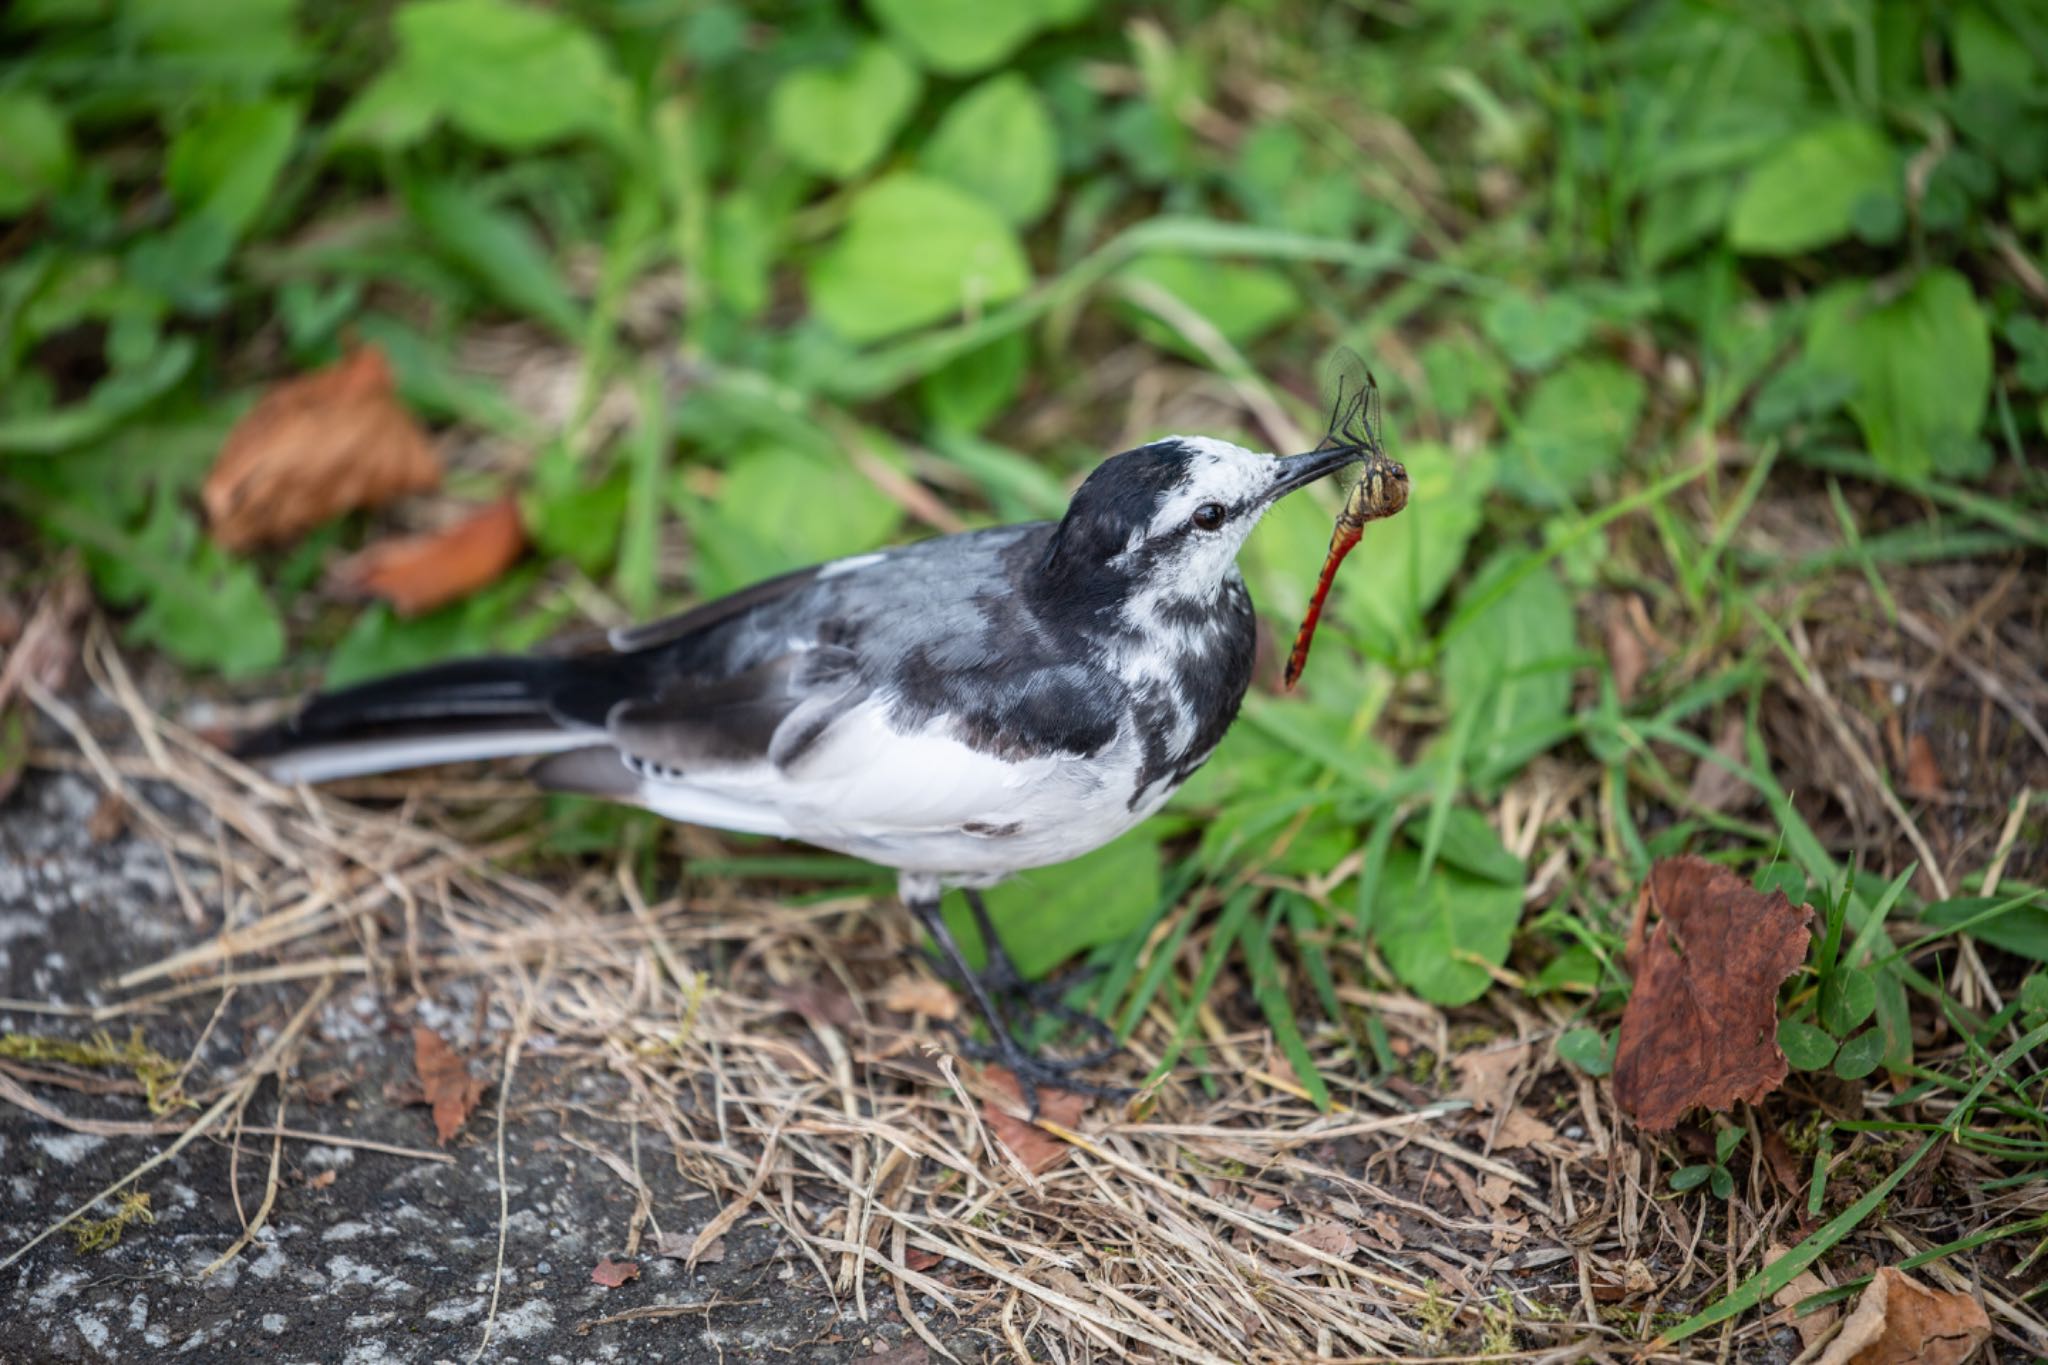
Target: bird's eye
pixel 1208 516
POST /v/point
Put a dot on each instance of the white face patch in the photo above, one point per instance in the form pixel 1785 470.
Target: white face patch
pixel 1220 472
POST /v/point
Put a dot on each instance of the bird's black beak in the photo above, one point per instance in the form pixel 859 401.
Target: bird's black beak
pixel 1298 471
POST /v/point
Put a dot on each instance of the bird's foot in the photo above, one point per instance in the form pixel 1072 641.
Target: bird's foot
pixel 1034 1072
pixel 1026 1002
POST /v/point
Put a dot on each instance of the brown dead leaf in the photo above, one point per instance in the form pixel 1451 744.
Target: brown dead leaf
pixel 1923 769
pixel 920 1260
pixel 675 1246
pixel 921 995
pixel 1804 1285
pixel 1627 656
pixel 1702 1025
pixel 445 1082
pixel 323 1179
pixel 1713 787
pixel 313 448
pixel 611 1274
pixel 1522 1129
pixel 1032 1145
pixel 1329 1237
pixel 109 817
pixel 1486 1075
pixel 1900 1321
pixel 415 574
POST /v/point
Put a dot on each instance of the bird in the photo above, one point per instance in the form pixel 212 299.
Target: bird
pixel 957 709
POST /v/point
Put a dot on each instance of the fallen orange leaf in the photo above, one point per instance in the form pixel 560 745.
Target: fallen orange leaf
pixel 611 1274
pixel 1032 1145
pixel 1900 1321
pixel 313 448
pixel 445 1081
pixel 1702 1025
pixel 418 573
pixel 1923 769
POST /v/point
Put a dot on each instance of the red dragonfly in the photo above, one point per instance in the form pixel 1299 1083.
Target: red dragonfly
pixel 1381 489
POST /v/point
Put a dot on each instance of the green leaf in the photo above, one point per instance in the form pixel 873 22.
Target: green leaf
pixel 215 615
pixel 1785 877
pixel 1438 936
pixel 1847 997
pixel 837 120
pixel 1469 844
pixel 1413 556
pixel 1500 664
pixel 1725 1143
pixel 1535 333
pixel 243 46
pixel 2034 993
pixel 1576 970
pixel 1721 1182
pixel 779 509
pixel 35 150
pixel 1575 427
pixel 959 37
pixel 1922 366
pixel 2021 928
pixel 224 166
pixel 1243 302
pixel 997 141
pixel 498 249
pixel 393 111
pixel 1804 196
pixel 1805 1047
pixel 1588 1049
pixel 510 75
pixel 1690 1177
pixel 111 401
pixel 1047 915
pixel 1860 1056
pixel 915 251
pixel 967 392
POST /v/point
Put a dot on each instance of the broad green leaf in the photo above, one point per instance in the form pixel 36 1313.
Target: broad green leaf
pixel 498 249
pixel 1243 302
pixel 2021 929
pixel 915 251
pixel 837 120
pixel 1860 1056
pixel 213 614
pixel 395 110
pixel 35 149
pixel 997 141
pixel 511 75
pixel 1805 1047
pixel 2034 993
pixel 959 37
pixel 1847 997
pixel 224 166
pixel 780 509
pixel 1535 333
pixel 1989 53
pixel 744 240
pixel 1922 366
pixel 1047 915
pixel 1440 936
pixel 1469 844
pixel 1501 663
pixel 112 400
pixel 1588 1049
pixel 1575 427
pixel 1402 565
pixel 1577 970
pixel 1805 195
pixel 244 46
pixel 967 392
pixel 1690 1177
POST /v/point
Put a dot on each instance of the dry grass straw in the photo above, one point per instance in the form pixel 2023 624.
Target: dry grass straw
pixel 856 1139
pixel 1183 1228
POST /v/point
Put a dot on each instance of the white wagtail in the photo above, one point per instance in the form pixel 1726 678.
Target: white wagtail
pixel 958 709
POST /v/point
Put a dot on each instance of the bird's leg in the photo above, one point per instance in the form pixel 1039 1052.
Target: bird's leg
pixel 1001 976
pixel 1030 1070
